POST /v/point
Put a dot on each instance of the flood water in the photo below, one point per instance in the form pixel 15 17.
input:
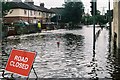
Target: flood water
pixel 74 57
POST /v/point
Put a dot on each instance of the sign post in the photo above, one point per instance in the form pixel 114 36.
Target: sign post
pixel 20 62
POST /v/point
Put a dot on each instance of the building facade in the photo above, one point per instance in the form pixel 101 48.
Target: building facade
pixel 29 12
pixel 116 23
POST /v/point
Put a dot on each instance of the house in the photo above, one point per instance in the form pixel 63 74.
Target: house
pixel 57 18
pixel 29 12
pixel 57 11
pixel 46 13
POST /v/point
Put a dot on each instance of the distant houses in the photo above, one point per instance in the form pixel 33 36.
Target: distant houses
pixel 29 12
pixel 57 10
pixel 23 12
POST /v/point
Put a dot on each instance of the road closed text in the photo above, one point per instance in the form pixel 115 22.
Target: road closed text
pixel 20 62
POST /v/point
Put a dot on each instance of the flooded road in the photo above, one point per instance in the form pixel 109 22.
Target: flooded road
pixel 74 57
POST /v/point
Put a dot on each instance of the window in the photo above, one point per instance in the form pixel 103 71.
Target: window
pixel 31 13
pixel 34 12
pixel 44 14
pixel 39 13
pixel 25 12
pixel 47 14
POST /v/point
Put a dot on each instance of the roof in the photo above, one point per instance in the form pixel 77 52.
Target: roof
pixel 15 5
pixel 57 10
pixel 43 9
pixel 32 6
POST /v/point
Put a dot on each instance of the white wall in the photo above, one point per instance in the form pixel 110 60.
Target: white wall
pixel 21 13
pixel 116 22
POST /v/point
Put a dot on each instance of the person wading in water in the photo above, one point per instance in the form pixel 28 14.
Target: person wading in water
pixel 39 26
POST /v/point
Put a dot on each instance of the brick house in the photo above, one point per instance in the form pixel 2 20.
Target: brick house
pixel 29 12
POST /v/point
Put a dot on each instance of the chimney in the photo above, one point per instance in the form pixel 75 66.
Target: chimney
pixel 29 1
pixel 15 0
pixel 41 4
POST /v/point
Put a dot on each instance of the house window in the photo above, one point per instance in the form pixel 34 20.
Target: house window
pixel 47 15
pixel 39 13
pixel 43 14
pixel 34 12
pixel 25 12
pixel 31 13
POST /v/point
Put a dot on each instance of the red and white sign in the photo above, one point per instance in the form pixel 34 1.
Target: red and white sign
pixel 20 62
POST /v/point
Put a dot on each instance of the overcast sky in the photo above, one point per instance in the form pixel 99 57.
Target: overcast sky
pixel 58 3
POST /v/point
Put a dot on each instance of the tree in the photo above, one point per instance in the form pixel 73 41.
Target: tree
pixel 101 19
pixel 73 13
pixel 5 8
pixel 86 19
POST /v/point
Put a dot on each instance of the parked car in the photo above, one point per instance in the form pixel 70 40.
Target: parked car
pixel 21 27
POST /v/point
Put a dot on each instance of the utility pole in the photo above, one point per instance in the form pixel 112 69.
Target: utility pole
pixel 94 26
pixel 109 19
pixel 94 13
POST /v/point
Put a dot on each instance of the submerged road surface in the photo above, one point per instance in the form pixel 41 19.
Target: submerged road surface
pixel 73 58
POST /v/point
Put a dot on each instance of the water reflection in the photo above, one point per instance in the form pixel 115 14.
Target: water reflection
pixel 74 44
pixel 114 64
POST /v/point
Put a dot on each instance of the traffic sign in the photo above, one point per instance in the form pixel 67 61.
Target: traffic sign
pixel 20 62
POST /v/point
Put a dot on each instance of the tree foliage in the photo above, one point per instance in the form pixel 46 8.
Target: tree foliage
pixel 5 8
pixel 99 19
pixel 73 12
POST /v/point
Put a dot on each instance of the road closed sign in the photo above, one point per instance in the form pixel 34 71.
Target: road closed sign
pixel 20 62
